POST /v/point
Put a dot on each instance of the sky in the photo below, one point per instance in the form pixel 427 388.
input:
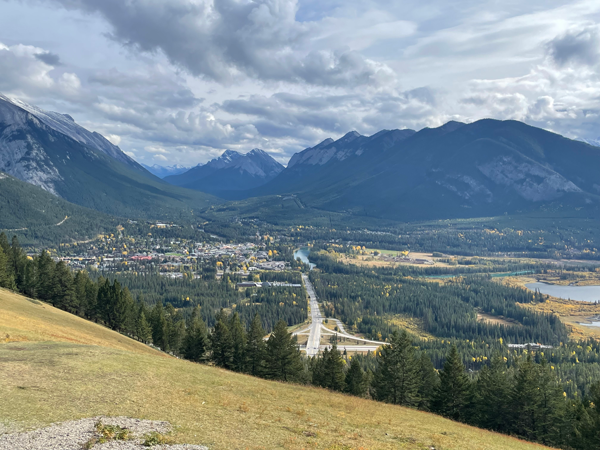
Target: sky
pixel 180 81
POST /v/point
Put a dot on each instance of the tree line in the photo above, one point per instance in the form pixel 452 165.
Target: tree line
pixel 525 400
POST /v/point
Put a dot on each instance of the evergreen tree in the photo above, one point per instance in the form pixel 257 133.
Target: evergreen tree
pixel 175 328
pixel 283 357
pixel 221 344
pixel 80 284
pixel 63 291
pixel 45 276
pixel 159 327
pixel 91 299
pixel 492 396
pixel 428 382
pixel 526 399
pixel 551 408
pixel 143 328
pixel 451 398
pixel 256 348
pixel 355 379
pixel 29 279
pixel 17 259
pixel 397 375
pixel 333 370
pixel 593 434
pixel 5 278
pixel 195 343
pixel 238 343
pixel 4 245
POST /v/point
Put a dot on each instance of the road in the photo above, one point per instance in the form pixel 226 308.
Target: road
pixel 313 343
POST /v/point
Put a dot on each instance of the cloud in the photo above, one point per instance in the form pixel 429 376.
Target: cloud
pixel 160 158
pixel 49 58
pixel 113 138
pixel 22 69
pixel 581 46
pixel 225 40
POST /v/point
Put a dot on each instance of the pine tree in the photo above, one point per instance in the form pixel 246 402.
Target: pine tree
pixel 159 327
pixel 355 379
pixel 17 260
pixel 256 348
pixel 492 396
pixel 551 408
pixel 333 370
pixel 221 344
pixel 80 284
pixel 195 343
pixel 283 357
pixel 175 328
pixel 5 278
pixel 63 291
pixel 45 276
pixel 143 328
pixel 428 382
pixel 4 245
pixel 91 299
pixel 238 343
pixel 29 279
pixel 451 398
pixel 526 399
pixel 397 376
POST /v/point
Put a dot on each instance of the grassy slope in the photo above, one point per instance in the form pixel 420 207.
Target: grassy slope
pixel 55 367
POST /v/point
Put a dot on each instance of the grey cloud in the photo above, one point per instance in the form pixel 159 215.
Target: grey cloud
pixel 51 59
pixel 580 46
pixel 225 39
pixel 151 88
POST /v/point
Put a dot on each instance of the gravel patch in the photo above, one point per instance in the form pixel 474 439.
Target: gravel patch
pixel 75 434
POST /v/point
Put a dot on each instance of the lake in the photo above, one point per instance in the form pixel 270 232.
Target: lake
pixel 302 253
pixel 580 293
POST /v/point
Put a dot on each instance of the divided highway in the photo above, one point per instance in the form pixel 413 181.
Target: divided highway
pixel 313 344
pixel 314 338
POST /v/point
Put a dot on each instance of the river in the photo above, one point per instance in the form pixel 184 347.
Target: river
pixel 579 293
pixel 302 253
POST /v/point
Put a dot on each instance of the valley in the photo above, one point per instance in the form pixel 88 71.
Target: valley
pixel 325 283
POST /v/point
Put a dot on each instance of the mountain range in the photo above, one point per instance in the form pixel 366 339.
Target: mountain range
pixel 458 170
pixel 230 173
pixel 165 171
pixel 51 151
pixel 481 169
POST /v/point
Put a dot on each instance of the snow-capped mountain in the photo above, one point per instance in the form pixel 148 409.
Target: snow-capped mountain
pixel 65 124
pixel 232 171
pixel 70 162
pixel 165 171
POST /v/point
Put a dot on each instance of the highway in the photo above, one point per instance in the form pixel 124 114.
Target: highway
pixel 314 338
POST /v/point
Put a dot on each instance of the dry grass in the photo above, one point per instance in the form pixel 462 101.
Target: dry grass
pixel 495 320
pixel 23 320
pixel 412 325
pixel 45 379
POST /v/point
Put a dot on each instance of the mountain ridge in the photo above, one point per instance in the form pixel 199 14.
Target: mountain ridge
pixel 36 153
pixel 458 170
pixel 231 171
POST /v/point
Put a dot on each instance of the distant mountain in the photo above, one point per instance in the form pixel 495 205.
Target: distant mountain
pixel 162 171
pixel 230 173
pixel 83 167
pixel 485 168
